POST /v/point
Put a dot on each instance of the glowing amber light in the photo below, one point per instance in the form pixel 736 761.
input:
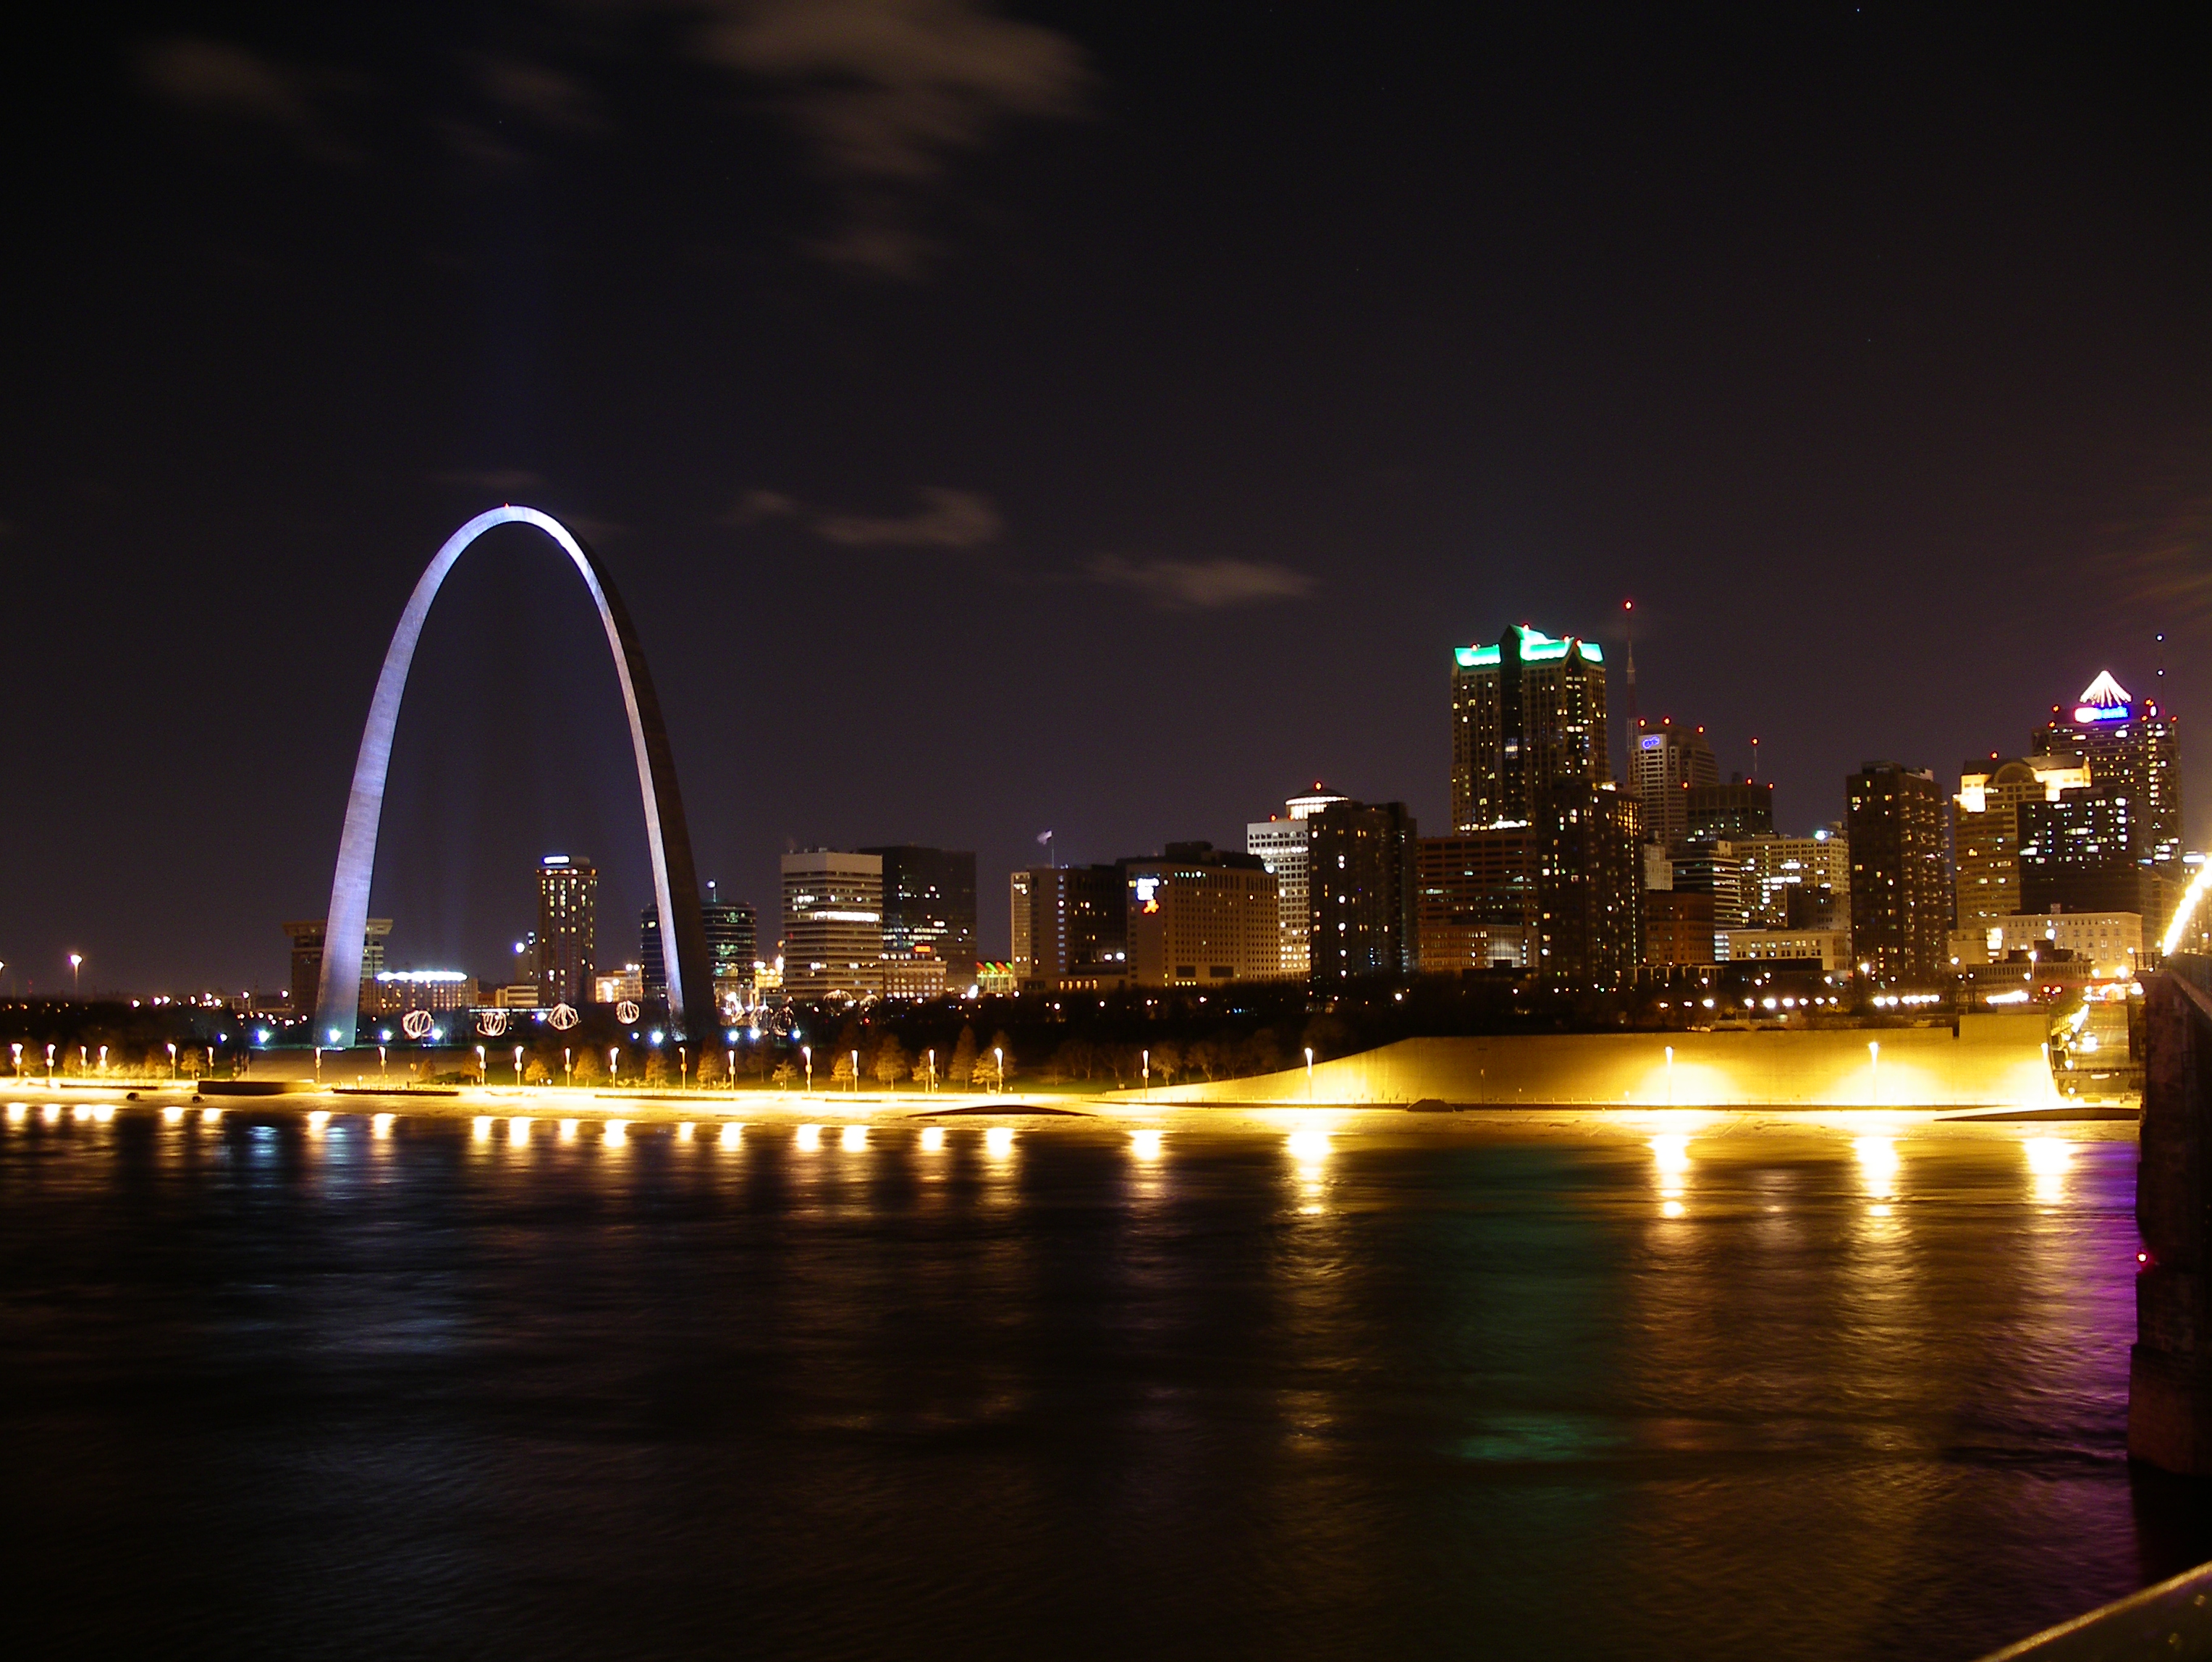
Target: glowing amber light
pixel 856 1137
pixel 380 1124
pixel 732 1135
pixel 617 1133
pixel 809 1137
pixel 103 1113
pixel 173 1115
pixel 1145 1144
pixel 999 1139
pixel 1310 1146
pixel 569 1129
pixel 933 1139
pixel 518 1131
pixel 480 1127
pixel 318 1121
pixel 683 1132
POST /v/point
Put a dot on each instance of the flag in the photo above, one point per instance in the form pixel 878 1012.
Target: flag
pixel 1044 837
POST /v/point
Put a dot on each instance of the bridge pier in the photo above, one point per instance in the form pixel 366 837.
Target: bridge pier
pixel 2169 1365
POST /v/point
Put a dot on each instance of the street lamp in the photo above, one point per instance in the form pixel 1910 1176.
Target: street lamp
pixel 483 1074
pixel 683 1068
pixel 1670 1076
pixel 998 1056
pixel 1309 1085
pixel 567 1074
pixel 77 962
pixel 856 1072
pixel 613 1051
pixel 806 1056
pixel 517 1064
pixel 731 1077
pixel 1147 1065
pixel 1874 1065
pixel 172 1060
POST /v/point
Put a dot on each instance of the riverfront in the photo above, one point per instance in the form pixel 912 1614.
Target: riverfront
pixel 1324 1381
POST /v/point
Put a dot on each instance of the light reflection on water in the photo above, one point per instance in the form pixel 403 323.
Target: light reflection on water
pixel 1306 1389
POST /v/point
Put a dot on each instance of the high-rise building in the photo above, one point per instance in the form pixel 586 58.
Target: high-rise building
pixel 1200 916
pixel 833 925
pixel 1590 866
pixel 1738 809
pixel 1900 903
pixel 2135 751
pixel 1678 929
pixel 2075 853
pixel 1021 949
pixel 1796 882
pixel 1986 830
pixel 1071 925
pixel 1279 840
pixel 1478 901
pixel 929 907
pixel 1527 712
pixel 307 936
pixel 568 913
pixel 1666 764
pixel 732 930
pixel 1362 891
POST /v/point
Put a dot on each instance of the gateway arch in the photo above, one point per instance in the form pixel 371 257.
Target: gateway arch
pixel 675 883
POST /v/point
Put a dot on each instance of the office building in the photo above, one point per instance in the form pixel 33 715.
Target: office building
pixel 1527 712
pixel 2133 751
pixel 568 912
pixel 915 977
pixel 1796 882
pixel 1986 830
pixel 1071 928
pixel 929 907
pixel 1363 892
pixel 2076 853
pixel 1200 916
pixel 1738 809
pixel 2108 944
pixel 1280 842
pixel 307 937
pixel 732 930
pixel 1827 950
pixel 1665 765
pixel 1901 900
pixel 1477 907
pixel 833 925
pixel 628 982
pixel 435 991
pixel 1678 929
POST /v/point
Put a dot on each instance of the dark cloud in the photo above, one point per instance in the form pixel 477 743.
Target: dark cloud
pixel 549 96
pixel 213 77
pixel 885 92
pixel 946 518
pixel 1203 585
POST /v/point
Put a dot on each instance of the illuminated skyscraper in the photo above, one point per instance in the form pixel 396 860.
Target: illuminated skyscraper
pixel 833 924
pixel 1666 764
pixel 1280 842
pixel 1362 891
pixel 1070 924
pixel 307 962
pixel 2134 752
pixel 1200 917
pixel 929 907
pixel 1900 904
pixel 568 913
pixel 1527 712
pixel 1986 830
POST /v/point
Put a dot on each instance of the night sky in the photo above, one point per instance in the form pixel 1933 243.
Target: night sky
pixel 1100 420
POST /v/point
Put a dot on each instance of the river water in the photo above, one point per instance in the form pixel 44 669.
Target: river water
pixel 1508 1386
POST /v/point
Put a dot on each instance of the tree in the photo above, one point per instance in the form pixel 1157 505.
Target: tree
pixel 1167 1060
pixel 842 1070
pixel 1205 1055
pixel 535 1072
pixel 962 1069
pixel 656 1068
pixel 1263 1052
pixel 709 1069
pixel 985 1072
pixel 786 1071
pixel 587 1070
pixel 890 1061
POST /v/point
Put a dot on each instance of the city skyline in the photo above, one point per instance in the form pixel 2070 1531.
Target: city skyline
pixel 1544 325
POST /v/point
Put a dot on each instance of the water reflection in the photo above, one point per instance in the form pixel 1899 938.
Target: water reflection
pixel 1670 1158
pixel 518 1131
pixel 810 1138
pixel 2049 1159
pixel 999 1141
pixel 855 1139
pixel 932 1140
pixel 732 1135
pixel 1145 1143
pixel 1878 1166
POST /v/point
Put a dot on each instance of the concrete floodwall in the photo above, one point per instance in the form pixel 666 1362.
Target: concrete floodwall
pixel 1997 1060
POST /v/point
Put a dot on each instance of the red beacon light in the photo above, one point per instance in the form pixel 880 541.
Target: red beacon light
pixel 2144 1258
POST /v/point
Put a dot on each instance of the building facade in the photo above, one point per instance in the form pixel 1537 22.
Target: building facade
pixel 1732 812
pixel 1985 829
pixel 307 938
pixel 1828 949
pixel 929 907
pixel 1526 713
pixel 1478 902
pixel 567 924
pixel 1797 882
pixel 1901 900
pixel 1362 891
pixel 2134 751
pixel 1590 869
pixel 1200 916
pixel 1666 764
pixel 1071 925
pixel 833 925
pixel 1280 842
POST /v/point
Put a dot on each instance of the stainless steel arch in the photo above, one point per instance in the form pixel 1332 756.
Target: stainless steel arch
pixel 675 882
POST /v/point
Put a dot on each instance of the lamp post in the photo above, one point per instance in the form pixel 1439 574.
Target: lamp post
pixel 613 1051
pixel 1670 1076
pixel 998 1056
pixel 517 1064
pixel 683 1068
pixel 49 1065
pixel 77 962
pixel 731 1077
pixel 103 1061
pixel 18 1050
pixel 1146 1063
pixel 172 1061
pixel 807 1056
pixel 380 1064
pixel 318 1064
pixel 929 1079
pixel 568 1071
pixel 856 1072
pixel 1873 1067
pixel 484 1072
pixel 1310 1084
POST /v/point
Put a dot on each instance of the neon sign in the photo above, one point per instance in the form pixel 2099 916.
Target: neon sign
pixel 2104 700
